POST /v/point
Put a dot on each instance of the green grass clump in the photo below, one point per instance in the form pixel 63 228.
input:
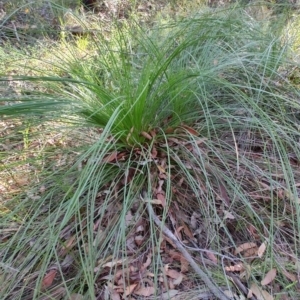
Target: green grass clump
pixel 194 117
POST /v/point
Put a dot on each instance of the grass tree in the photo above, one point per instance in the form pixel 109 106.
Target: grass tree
pixel 181 167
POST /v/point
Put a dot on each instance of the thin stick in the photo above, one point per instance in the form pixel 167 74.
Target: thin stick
pixel 240 285
pixel 212 287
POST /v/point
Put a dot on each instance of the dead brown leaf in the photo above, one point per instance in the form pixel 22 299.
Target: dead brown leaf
pixel 244 247
pixel 289 275
pixel 145 291
pixel 161 169
pixel 190 130
pixel 155 201
pixel 260 293
pixel 261 250
pixel 250 252
pixel 178 232
pixel 110 157
pixel 121 156
pixel 224 195
pixel 146 135
pixel 184 267
pixel 171 273
pixel 118 275
pixel 129 290
pixel 169 130
pixel 235 268
pixel 119 290
pixel 270 276
pixel 187 231
pixel 179 257
pixel 113 263
pixel 178 280
pixel 170 241
pixel 211 256
pixel 250 294
pixel 68 245
pixel 253 232
pixel 48 279
pixel 147 263
pixel 161 197
pixel 153 133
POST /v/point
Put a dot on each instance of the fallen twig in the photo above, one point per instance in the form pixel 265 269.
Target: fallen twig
pixel 240 286
pixel 212 287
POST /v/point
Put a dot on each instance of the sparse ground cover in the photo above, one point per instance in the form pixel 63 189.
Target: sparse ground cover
pixel 152 153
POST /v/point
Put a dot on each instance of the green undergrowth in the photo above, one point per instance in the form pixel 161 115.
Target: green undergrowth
pixel 195 117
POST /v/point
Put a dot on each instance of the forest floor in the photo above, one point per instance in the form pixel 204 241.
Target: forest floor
pixel 245 233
